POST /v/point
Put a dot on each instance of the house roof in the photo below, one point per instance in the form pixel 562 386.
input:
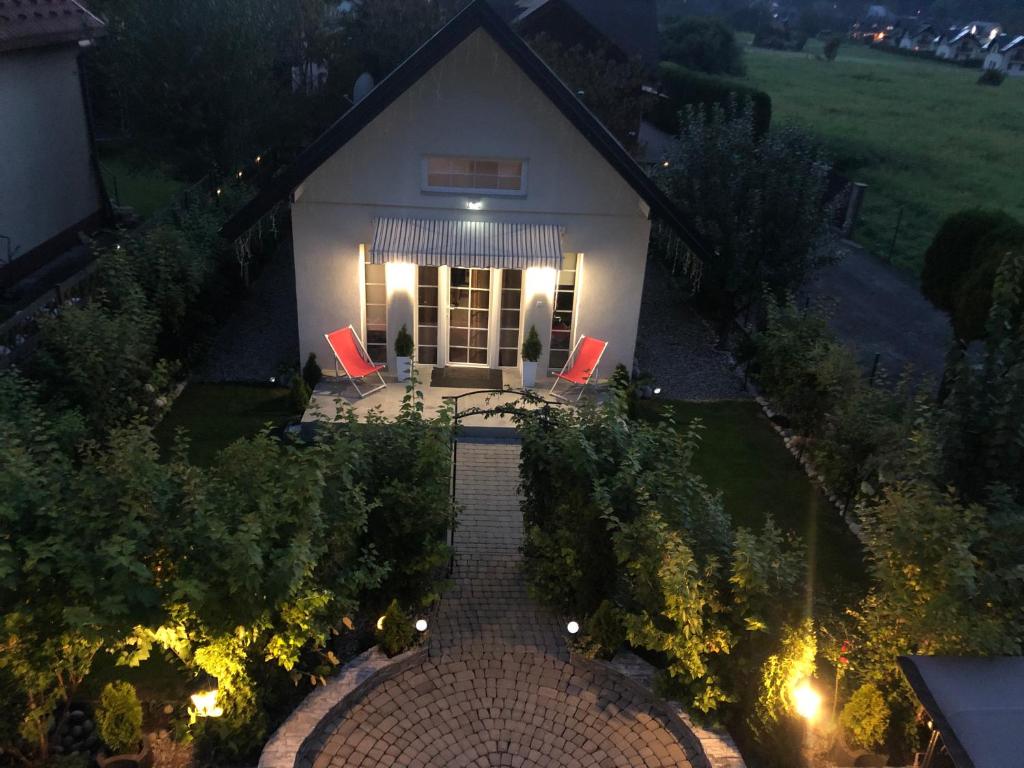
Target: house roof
pixel 630 25
pixel 477 15
pixel 1013 44
pixel 34 23
pixel 977 704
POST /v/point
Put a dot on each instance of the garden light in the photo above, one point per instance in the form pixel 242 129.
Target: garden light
pixel 572 627
pixel 380 623
pixel 204 698
pixel 421 625
pixel 806 701
pixel 657 390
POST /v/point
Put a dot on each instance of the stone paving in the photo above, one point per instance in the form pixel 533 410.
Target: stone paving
pixel 497 687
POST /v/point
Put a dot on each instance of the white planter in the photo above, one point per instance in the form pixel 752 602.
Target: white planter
pixel 529 373
pixel 404 368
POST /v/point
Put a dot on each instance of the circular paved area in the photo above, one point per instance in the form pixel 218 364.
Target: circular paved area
pixel 497 688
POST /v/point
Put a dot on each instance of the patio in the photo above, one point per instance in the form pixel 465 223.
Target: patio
pixel 388 401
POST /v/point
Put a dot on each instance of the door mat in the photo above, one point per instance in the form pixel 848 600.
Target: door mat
pixel 466 378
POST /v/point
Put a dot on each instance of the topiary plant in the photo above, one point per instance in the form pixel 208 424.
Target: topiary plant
pixel 606 630
pixel 403 343
pixel 299 394
pixel 119 718
pixel 396 631
pixel 311 372
pixel 865 718
pixel 532 346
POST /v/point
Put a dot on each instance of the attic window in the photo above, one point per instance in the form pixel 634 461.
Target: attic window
pixel 473 174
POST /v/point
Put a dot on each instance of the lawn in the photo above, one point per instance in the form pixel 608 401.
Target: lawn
pixel 742 455
pixel 138 183
pixel 215 415
pixel 922 134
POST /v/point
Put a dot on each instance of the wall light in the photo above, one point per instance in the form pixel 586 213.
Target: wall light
pixel 657 390
pixel 474 205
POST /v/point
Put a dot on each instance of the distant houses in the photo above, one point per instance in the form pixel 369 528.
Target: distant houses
pixel 1006 55
pixel 921 38
pixel 961 46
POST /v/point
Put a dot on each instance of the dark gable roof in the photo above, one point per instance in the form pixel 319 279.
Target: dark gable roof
pixel 477 15
pixel 35 23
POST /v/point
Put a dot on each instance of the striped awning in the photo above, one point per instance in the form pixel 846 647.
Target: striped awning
pixel 458 243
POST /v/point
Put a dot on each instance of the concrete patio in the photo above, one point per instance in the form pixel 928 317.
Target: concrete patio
pixel 333 392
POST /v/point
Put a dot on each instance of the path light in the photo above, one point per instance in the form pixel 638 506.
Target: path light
pixel 204 698
pixel 421 625
pixel 380 623
pixel 657 390
pixel 572 627
pixel 219 190
pixel 258 158
pixel 806 701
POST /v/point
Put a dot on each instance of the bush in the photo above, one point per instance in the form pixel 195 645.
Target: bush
pixel 396 633
pixel 991 77
pixel 684 87
pixel 311 372
pixel 831 49
pixel 403 343
pixel 119 718
pixel 865 718
pixel 702 44
pixel 532 346
pixel 605 630
pixel 299 394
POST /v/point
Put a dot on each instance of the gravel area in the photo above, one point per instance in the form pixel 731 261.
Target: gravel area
pixel 676 346
pixel 262 335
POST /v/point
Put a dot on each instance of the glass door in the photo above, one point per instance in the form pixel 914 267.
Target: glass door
pixel 469 297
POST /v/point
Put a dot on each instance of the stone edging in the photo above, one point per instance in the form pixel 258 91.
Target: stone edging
pixel 705 748
pixel 299 738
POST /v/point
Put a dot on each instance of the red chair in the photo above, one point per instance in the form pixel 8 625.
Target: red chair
pixel 351 355
pixel 584 360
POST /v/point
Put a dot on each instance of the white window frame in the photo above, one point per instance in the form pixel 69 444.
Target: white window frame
pixel 476 191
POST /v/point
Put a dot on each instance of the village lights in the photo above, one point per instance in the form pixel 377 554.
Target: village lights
pixel 421 625
pixel 219 190
pixel 572 627
pixel 204 698
pixel 239 174
pixel 806 701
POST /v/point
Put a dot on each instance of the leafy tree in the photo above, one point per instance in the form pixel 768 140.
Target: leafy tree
pixel 757 200
pixel 865 717
pixel 781 675
pixel 703 44
pixel 611 89
pixel 385 32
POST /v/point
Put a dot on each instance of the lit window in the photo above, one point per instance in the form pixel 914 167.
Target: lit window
pixel 470 174
pixel 375 300
pixel 561 318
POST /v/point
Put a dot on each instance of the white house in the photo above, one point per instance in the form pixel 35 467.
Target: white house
pixel 961 46
pixel 51 187
pixel 920 39
pixel 1007 57
pixel 469 196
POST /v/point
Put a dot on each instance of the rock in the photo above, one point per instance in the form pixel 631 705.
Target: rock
pixel 87 726
pixel 76 716
pixel 77 731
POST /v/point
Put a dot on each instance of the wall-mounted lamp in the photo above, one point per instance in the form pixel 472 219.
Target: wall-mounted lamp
pixel 475 205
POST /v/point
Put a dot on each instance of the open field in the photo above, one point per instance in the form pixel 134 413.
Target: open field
pixel 922 134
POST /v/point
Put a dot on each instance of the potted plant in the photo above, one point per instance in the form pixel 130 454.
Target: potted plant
pixel 119 722
pixel 531 354
pixel 403 354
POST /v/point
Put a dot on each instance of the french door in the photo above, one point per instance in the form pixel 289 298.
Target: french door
pixel 469 315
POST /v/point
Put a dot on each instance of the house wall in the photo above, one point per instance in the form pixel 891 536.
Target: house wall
pixel 48 180
pixel 475 102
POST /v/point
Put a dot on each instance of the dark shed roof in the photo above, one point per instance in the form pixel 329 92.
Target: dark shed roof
pixel 35 23
pixel 477 15
pixel 977 704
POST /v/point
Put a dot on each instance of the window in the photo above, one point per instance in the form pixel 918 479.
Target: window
pixel 376 302
pixel 561 318
pixel 427 314
pixel 462 174
pixel 511 301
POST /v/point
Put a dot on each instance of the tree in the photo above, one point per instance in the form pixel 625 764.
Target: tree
pixel 383 33
pixel 759 201
pixel 831 49
pixel 704 44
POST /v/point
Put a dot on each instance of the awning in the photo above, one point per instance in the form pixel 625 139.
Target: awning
pixel 458 243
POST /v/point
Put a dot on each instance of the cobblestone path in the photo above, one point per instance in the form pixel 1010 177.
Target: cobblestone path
pixel 497 688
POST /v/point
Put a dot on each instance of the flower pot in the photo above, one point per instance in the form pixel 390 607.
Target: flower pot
pixel 142 759
pixel 529 373
pixel 404 368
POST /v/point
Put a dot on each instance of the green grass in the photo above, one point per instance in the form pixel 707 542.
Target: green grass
pixel 215 415
pixel 145 186
pixel 743 456
pixel 922 134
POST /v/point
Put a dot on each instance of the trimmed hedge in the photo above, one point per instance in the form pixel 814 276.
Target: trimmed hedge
pixel 684 86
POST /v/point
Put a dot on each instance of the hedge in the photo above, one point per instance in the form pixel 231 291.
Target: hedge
pixel 683 86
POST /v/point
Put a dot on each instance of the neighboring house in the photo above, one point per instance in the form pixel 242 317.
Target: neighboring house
pixel 468 197
pixel 961 46
pixel 920 39
pixel 630 26
pixel 51 188
pixel 1006 54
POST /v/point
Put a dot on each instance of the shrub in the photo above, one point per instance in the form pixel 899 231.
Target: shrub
pixel 605 629
pixel 403 343
pixel 299 394
pixel 831 49
pixel 991 77
pixel 865 718
pixel 532 346
pixel 396 633
pixel 702 44
pixel 684 87
pixel 311 372
pixel 119 718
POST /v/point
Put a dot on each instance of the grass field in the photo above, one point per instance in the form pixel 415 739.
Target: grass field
pixel 133 182
pixel 922 134
pixel 741 455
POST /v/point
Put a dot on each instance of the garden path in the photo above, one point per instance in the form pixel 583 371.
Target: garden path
pixel 497 687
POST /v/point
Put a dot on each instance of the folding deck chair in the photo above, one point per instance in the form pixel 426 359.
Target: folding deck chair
pixel 584 359
pixel 351 355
